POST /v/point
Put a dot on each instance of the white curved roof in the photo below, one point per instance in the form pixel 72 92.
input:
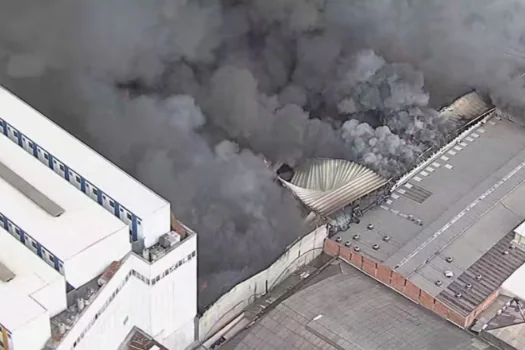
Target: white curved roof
pixel 468 106
pixel 328 185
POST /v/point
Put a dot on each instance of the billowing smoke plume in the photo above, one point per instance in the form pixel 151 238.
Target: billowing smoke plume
pixel 185 95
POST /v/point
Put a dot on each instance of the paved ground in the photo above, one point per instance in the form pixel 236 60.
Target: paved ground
pixel 345 310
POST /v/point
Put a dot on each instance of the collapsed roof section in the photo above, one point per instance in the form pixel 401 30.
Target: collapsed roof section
pixel 329 185
pixel 467 107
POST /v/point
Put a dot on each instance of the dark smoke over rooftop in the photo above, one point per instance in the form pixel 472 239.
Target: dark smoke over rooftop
pixel 185 94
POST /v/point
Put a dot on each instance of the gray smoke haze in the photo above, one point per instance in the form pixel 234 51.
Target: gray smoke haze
pixel 185 95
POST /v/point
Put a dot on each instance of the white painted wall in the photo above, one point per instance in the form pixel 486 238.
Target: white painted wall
pixel 234 302
pixel 514 286
pixel 162 309
pixel 155 225
pixel 91 262
pixel 52 297
pixel 33 335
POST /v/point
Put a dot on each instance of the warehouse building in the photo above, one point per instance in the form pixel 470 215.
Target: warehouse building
pixel 449 235
pixel 88 257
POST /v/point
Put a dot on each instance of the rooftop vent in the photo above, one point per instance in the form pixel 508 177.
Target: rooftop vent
pixel 357 249
pixel 458 295
pixel 386 238
pixel 449 259
pixel 338 239
pixel 506 252
pixel 449 274
pixel 370 226
pixel 356 237
pixel 438 283
pixel 375 247
pixel 468 286
pixel 169 240
pixel 347 244
pixel 478 277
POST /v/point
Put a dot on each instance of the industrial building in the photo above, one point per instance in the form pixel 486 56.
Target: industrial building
pixel 449 236
pixel 89 258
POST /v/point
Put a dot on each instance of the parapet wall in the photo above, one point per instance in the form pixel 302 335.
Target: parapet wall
pixel 403 286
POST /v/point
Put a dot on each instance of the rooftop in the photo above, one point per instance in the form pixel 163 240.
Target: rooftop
pixel 451 212
pixel 80 158
pixel 82 221
pixel 19 299
pixel 344 309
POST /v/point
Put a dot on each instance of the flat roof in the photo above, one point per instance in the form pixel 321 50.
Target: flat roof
pixel 30 275
pixel 466 200
pixel 83 221
pixel 346 309
pixel 83 160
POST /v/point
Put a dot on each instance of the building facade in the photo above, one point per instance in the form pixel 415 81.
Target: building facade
pixel 104 241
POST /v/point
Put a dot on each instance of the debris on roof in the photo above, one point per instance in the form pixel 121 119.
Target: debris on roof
pixel 468 107
pixel 329 185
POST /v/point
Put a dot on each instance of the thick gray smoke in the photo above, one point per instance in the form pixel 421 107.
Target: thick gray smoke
pixel 185 95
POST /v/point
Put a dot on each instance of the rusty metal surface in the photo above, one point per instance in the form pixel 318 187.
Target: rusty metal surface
pixel 494 267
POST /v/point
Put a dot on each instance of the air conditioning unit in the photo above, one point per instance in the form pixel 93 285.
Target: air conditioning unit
pixel 169 240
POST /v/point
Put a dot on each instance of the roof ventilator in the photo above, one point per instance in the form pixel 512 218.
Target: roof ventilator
pixel 375 247
pixel 449 259
pixel 370 226
pixel 506 252
pixel 338 239
pixel 357 249
pixel 468 286
pixel 386 238
pixel 347 244
pixel 438 283
pixel 478 277
pixel 449 274
pixel 458 295
pixel 356 237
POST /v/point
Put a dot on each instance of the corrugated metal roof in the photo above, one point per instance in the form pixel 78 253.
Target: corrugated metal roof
pixel 328 185
pixel 495 266
pixel 468 106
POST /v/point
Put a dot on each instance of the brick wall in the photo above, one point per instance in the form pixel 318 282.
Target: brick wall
pixel 400 284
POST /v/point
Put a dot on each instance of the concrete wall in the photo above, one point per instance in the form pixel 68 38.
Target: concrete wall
pixel 236 300
pixel 160 298
pixel 403 286
pixel 33 335
pixel 92 261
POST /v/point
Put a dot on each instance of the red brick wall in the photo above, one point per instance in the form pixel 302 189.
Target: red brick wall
pixel 398 282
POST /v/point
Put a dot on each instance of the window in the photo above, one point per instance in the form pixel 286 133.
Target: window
pixel 33 243
pixel 95 192
pixel 30 144
pixel 112 203
pixel 46 156
pixel 77 178
pixel 129 216
pixel 15 133
pixel 17 230
pixel 61 167
pixel 193 254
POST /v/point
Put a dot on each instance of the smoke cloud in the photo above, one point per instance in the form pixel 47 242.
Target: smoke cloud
pixel 186 95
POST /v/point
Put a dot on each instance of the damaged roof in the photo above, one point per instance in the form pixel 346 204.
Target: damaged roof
pixel 452 216
pixel 468 107
pixel 329 185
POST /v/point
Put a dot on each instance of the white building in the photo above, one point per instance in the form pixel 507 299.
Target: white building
pixel 66 219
